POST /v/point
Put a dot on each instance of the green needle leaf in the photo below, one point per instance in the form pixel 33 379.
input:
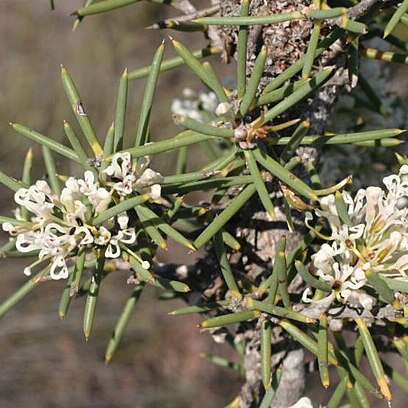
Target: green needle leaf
pixel 299 94
pixel 266 353
pixel 311 50
pixel 396 17
pixel 51 170
pixel 215 83
pixel 108 145
pixel 144 275
pixel 66 296
pixel 143 126
pixel 394 284
pixel 301 337
pixel 45 141
pixel 294 141
pixel 102 6
pixel 120 115
pixel 253 304
pixel 199 308
pixel 92 297
pixel 250 21
pixel 26 179
pixel 231 318
pixel 280 269
pixel 79 19
pixel 150 228
pixel 242 44
pixel 218 183
pixel 119 208
pixel 310 279
pixel 273 280
pixel 279 94
pixel 269 396
pixel 324 14
pixel 342 138
pixel 386 142
pixel 166 228
pixel 284 175
pixel 259 183
pixel 28 162
pixel 254 81
pixel 13 221
pixel 123 322
pixel 337 396
pixel 373 358
pixel 178 25
pixel 202 128
pixel 386 56
pixel 22 292
pixel 323 350
pixel 186 138
pixel 80 114
pixel 395 376
pixel 78 272
pixel 341 208
pixel 181 165
pixel 230 241
pixel 172 63
pixel 225 265
pixel 75 143
pixel 380 286
pixel 195 65
pixel 353 26
pixel 11 182
pixel 7 247
pixel 219 221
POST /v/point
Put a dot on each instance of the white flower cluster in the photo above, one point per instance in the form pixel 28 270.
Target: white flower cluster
pixel 374 241
pixel 60 226
pixel 195 106
pixel 128 177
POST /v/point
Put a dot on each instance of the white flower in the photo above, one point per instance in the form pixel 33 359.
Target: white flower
pixel 100 200
pixel 148 183
pixel 345 281
pixel 195 106
pixel 121 166
pixel 127 236
pixel 102 237
pixel 37 199
pixel 60 226
pixel 375 239
pixel 59 269
pixel 29 241
pixel 128 178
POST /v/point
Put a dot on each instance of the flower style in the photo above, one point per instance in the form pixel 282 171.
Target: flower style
pixel 128 177
pixel 373 239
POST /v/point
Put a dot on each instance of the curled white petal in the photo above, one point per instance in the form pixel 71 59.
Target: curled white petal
pixel 59 269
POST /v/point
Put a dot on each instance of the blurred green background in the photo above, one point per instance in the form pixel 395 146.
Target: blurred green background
pixel 46 362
